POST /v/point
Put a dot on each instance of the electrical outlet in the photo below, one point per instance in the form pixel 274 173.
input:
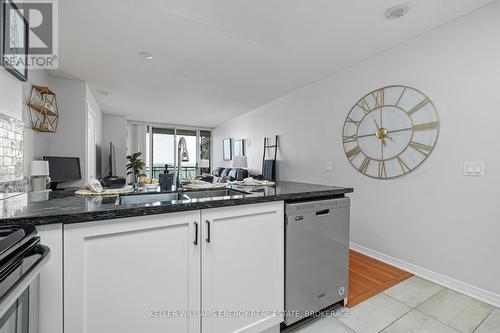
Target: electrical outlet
pixel 474 169
pixel 329 166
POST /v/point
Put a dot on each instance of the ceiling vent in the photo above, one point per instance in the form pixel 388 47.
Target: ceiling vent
pixel 396 12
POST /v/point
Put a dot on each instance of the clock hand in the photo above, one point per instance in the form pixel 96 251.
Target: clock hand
pixel 382 137
pixel 381 117
pixel 382 149
pixel 366 135
pixel 394 131
pixel 401 130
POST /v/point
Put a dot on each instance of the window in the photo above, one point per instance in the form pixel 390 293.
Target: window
pixel 161 150
pixel 205 150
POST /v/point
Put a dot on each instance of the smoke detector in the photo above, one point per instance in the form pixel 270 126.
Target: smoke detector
pixel 396 12
pixel 146 55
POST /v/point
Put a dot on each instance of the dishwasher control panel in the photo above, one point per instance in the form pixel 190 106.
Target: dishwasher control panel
pixel 315 206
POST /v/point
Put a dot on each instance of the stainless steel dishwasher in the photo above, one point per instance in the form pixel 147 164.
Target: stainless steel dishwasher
pixel 317 256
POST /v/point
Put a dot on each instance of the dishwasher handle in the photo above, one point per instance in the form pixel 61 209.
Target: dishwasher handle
pixel 323 212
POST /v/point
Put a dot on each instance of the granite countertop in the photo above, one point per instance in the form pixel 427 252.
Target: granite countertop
pixel 64 207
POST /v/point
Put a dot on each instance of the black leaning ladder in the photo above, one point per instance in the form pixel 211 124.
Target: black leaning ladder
pixel 269 166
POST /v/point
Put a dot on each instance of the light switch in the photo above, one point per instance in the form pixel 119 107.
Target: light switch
pixel 329 166
pixel 474 169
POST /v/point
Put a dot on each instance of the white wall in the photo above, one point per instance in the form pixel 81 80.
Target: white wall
pixel 11 92
pixel 69 139
pixel 434 218
pixel 115 130
pixel 92 102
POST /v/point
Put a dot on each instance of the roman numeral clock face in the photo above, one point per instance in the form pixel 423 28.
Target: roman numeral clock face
pixel 390 132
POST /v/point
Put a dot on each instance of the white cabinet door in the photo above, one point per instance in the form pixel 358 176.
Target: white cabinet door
pixel 50 312
pixel 119 275
pixel 243 268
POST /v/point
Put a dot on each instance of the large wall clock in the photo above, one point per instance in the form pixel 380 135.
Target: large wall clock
pixel 390 132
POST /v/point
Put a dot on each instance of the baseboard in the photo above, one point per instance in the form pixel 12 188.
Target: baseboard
pixel 424 273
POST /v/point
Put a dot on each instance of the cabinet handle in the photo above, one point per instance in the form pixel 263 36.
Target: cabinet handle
pixel 208 231
pixel 195 233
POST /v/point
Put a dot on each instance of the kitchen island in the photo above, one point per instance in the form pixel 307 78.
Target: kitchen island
pixel 192 264
pixel 64 207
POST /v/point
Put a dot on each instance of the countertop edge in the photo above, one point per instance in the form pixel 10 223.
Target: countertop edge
pixel 82 217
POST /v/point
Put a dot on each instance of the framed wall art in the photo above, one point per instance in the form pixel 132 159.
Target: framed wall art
pixel 13 40
pixel 227 153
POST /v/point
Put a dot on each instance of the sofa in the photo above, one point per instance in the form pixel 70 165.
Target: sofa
pixel 231 174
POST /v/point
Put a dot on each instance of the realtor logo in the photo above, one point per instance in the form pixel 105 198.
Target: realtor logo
pixel 30 33
pixel 40 25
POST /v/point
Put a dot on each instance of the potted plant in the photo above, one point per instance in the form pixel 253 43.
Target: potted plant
pixel 135 165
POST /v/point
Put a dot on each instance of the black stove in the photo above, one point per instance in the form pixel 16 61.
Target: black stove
pixel 21 259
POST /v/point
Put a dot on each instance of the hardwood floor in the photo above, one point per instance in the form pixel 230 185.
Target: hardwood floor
pixel 368 277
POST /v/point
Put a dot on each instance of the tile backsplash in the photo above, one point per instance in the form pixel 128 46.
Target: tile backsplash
pixel 11 149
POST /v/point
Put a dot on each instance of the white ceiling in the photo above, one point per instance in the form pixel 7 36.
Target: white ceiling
pixel 216 59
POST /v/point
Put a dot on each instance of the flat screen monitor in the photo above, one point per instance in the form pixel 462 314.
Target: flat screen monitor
pixel 112 160
pixel 63 169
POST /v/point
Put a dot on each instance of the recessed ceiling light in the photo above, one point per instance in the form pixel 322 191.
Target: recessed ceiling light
pixel 396 12
pixel 146 55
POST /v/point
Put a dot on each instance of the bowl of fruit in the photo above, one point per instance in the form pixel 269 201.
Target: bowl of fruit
pixel 148 183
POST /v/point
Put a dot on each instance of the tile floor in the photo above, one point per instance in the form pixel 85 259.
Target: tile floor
pixel 412 306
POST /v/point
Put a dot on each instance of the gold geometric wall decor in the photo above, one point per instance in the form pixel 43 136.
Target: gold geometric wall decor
pixel 43 111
